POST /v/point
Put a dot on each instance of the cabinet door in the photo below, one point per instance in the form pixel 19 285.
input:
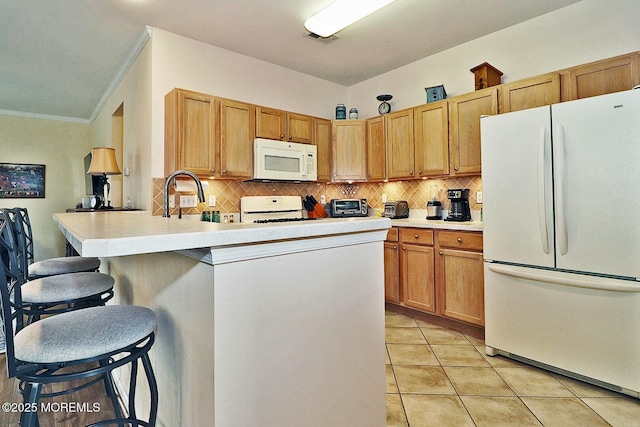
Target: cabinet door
pixel 530 93
pixel 601 77
pixel 190 119
pixel 465 112
pixel 270 123
pixel 376 167
pixel 462 285
pixel 299 128
pixel 322 140
pixel 418 277
pixel 400 149
pixel 431 139
pixel 349 150
pixel 237 124
pixel 391 272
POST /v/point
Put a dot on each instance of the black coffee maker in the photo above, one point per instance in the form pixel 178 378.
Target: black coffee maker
pixel 458 205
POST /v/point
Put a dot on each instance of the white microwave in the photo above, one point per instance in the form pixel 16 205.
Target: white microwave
pixel 284 161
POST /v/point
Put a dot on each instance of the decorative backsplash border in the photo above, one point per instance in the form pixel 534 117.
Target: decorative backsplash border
pixel 417 193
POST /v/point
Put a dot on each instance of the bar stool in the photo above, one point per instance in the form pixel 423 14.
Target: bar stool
pixel 93 341
pixel 53 294
pixel 51 266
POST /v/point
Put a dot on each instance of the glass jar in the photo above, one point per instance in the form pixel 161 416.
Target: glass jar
pixel 353 113
pixel 341 112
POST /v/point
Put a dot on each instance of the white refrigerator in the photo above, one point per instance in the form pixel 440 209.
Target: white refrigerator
pixel 561 212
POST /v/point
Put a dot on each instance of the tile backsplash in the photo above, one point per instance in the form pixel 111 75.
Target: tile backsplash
pixel 416 193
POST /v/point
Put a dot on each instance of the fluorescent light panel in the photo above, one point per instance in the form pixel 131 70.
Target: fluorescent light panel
pixel 341 14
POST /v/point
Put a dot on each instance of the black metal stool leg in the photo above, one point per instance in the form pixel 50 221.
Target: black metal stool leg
pixel 153 387
pixel 108 385
pixel 132 389
pixel 31 394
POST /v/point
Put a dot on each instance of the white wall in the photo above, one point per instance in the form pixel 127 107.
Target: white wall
pixel 61 147
pixel 583 32
pixel 134 93
pixel 190 64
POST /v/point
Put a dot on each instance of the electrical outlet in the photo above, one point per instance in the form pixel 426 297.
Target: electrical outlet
pixel 188 201
pixel 172 200
pixel 478 196
pixel 212 200
pixel 234 217
pixel 323 199
pixel 384 198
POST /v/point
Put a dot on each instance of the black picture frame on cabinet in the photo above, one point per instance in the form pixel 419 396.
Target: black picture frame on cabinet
pixel 22 181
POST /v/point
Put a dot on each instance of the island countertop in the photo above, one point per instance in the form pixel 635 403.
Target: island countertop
pixel 109 234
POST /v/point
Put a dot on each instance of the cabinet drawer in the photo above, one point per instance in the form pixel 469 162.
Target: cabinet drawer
pixel 392 235
pixel 416 235
pixel 460 239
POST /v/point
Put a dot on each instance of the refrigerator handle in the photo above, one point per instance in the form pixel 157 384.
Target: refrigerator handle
pixel 560 175
pixel 542 208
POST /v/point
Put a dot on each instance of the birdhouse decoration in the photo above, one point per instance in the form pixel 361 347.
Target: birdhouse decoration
pixel 486 75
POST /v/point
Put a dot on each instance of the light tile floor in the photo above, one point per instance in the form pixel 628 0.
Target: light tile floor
pixel 441 377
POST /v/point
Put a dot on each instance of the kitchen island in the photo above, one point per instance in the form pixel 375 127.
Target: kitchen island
pixel 259 324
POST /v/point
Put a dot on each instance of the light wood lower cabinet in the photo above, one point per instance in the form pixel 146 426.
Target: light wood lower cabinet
pixel 436 271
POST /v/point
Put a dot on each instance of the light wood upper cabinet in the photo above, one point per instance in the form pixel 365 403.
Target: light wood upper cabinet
pixel 601 77
pixel 530 93
pixel 322 128
pixel 464 128
pixel 282 125
pixel 431 139
pixel 349 150
pixel 299 128
pixel 376 165
pixel 400 147
pixel 237 124
pixel 189 136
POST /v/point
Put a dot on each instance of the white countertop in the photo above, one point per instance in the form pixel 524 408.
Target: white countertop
pixel 418 218
pixel 107 234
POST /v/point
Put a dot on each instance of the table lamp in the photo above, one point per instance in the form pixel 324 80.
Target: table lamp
pixel 103 163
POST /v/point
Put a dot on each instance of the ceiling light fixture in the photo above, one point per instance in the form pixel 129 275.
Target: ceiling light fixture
pixel 341 14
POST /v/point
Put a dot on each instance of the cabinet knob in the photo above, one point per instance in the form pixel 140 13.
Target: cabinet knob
pixel 420 172
pixel 404 248
pixel 395 247
pixel 415 236
pixel 224 171
pixel 290 137
pixel 440 253
pixel 410 172
pixel 455 168
pixel 281 136
pixel 459 239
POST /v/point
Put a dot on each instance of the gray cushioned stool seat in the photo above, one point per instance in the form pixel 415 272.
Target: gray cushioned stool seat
pixel 62 265
pixel 65 287
pixel 83 334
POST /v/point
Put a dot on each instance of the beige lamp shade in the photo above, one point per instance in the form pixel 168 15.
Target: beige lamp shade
pixel 103 161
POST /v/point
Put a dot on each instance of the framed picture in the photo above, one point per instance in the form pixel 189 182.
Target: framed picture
pixel 19 181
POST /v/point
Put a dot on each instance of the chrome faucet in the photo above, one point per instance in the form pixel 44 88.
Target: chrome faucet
pixel 167 182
